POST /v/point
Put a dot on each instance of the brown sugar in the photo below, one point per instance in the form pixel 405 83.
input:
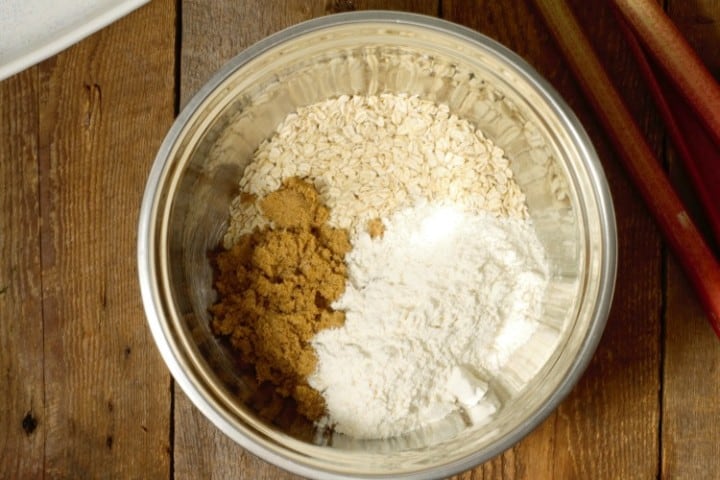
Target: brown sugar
pixel 275 289
pixel 375 228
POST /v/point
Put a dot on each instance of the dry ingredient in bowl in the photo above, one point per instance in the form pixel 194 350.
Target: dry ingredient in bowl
pixel 444 273
pixel 276 286
pixel 433 309
pixel 369 156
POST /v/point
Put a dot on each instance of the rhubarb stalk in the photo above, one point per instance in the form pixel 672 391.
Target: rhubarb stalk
pixel 680 232
pixel 699 154
pixel 676 58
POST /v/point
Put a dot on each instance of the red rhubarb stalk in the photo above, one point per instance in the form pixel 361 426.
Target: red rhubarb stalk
pixel 680 232
pixel 699 154
pixel 676 58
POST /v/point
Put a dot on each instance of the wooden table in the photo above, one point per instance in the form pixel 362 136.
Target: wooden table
pixel 84 393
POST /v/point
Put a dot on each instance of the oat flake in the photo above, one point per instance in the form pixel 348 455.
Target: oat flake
pixel 369 156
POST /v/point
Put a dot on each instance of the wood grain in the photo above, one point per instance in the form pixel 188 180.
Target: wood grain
pixel 608 426
pixel 22 403
pixel 691 373
pixel 105 105
pixel 213 32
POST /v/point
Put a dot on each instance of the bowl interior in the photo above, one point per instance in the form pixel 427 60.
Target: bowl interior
pixel 480 81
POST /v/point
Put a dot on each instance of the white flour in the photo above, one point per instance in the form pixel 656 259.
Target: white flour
pixel 434 308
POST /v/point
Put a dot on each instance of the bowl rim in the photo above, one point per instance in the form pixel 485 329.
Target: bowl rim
pixel 146 240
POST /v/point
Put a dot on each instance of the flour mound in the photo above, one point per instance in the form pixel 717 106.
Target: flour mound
pixel 434 308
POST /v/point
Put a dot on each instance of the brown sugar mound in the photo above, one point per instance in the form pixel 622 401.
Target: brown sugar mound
pixel 275 289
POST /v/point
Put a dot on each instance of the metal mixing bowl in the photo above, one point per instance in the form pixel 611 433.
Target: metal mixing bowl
pixel 185 210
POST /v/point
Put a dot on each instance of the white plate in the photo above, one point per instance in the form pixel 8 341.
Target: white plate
pixel 33 30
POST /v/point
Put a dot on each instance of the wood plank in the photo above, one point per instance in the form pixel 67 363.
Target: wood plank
pixel 213 32
pixel 608 426
pixel 105 105
pixel 22 405
pixel 691 388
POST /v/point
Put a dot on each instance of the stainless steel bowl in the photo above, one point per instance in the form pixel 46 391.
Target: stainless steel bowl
pixel 185 210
